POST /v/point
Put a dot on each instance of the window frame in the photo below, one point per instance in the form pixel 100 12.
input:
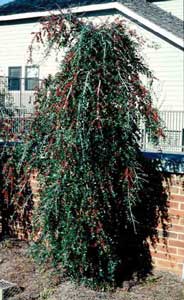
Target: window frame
pixel 32 79
pixel 11 78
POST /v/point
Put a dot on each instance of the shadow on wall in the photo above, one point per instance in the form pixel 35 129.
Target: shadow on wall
pixel 149 213
pixel 134 248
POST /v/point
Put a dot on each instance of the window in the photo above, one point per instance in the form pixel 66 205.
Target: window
pixel 14 78
pixel 31 78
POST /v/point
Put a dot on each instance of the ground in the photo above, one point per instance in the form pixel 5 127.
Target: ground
pixel 38 283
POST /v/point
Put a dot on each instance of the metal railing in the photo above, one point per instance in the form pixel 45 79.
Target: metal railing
pixel 17 96
pixel 18 92
pixel 20 102
pixel 173 122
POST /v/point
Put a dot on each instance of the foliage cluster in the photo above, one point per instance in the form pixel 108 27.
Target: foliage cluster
pixel 95 205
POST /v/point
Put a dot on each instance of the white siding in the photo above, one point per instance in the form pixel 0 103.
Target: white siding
pixel 173 6
pixel 167 61
pixel 167 64
pixel 15 40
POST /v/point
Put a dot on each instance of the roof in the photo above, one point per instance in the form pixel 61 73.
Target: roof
pixel 143 8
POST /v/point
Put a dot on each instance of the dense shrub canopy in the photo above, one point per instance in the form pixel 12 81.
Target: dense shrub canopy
pixel 85 144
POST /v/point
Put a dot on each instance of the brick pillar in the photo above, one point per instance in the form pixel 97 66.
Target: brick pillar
pixel 169 255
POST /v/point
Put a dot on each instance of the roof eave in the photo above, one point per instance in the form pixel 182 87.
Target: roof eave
pixel 127 12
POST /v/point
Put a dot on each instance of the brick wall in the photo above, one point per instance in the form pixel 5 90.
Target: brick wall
pixel 169 252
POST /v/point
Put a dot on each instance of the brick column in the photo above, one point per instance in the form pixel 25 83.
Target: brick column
pixel 169 253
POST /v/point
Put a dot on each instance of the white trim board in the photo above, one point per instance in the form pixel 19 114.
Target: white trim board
pixel 128 13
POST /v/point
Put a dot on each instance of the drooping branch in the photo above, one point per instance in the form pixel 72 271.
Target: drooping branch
pixel 85 144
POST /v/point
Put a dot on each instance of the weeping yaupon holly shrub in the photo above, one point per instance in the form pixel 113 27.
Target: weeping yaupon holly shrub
pixel 85 144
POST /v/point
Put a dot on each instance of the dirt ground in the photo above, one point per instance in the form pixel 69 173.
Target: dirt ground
pixel 37 283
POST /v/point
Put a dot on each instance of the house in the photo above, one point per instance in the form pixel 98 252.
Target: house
pixel 159 22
